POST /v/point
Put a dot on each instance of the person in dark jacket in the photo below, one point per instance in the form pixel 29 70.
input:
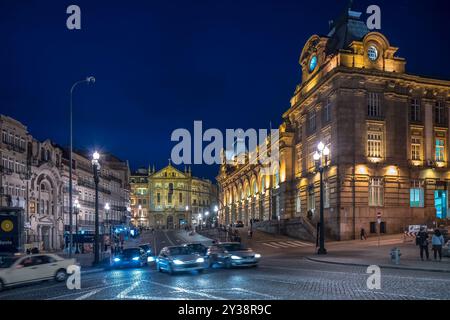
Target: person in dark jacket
pixel 422 242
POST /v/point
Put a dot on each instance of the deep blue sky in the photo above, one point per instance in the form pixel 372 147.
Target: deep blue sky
pixel 160 65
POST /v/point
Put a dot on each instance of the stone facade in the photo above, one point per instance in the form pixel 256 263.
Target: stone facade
pixel 170 198
pixel 35 176
pixel 388 135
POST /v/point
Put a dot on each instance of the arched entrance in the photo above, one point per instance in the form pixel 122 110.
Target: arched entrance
pixel 170 222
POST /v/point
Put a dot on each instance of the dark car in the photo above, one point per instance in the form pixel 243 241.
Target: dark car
pixel 197 248
pixel 148 251
pixel 130 257
pixel 231 254
pixel 239 224
pixel 179 258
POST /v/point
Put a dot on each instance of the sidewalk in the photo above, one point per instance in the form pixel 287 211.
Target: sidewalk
pixel 196 237
pixel 368 253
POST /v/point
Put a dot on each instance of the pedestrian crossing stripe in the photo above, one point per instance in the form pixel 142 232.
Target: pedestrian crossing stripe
pixel 287 244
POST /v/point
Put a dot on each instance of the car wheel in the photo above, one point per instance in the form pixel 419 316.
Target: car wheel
pixel 228 264
pixel 210 263
pixel 158 267
pixel 60 275
pixel 201 270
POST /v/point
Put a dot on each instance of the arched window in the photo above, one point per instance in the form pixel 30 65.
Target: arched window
pixel 255 187
pixel 276 179
pixel 263 184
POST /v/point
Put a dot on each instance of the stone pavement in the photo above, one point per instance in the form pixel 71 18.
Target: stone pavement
pixel 365 253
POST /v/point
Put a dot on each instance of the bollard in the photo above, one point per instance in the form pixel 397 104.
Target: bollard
pixel 395 255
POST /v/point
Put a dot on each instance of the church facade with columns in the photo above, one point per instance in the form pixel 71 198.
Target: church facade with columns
pixel 388 136
pixel 170 198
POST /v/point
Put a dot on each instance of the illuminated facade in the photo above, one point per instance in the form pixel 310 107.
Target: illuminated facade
pixel 388 135
pixel 170 198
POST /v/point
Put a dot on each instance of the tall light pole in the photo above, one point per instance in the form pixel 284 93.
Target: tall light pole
pixel 108 220
pixel 321 161
pixel 76 208
pixel 87 80
pixel 96 166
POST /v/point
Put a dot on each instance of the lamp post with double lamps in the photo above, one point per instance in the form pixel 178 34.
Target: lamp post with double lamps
pixel 96 167
pixel 321 162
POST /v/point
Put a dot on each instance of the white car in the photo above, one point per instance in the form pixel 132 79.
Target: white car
pixel 16 270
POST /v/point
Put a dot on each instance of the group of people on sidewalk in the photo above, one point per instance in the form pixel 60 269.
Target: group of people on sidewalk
pixel 437 242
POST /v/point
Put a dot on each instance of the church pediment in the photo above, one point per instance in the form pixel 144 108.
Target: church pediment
pixel 169 172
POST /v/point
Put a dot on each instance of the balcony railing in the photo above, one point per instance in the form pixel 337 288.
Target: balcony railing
pixel 6 170
pixel 14 147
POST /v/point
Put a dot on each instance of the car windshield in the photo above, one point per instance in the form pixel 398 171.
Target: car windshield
pixel 131 252
pixel 195 246
pixel 6 262
pixel 178 251
pixel 232 247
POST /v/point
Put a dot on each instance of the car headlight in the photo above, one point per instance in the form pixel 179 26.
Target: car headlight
pixel 116 259
pixel 149 251
pixel 150 259
pixel 257 255
pixel 235 257
pixel 200 260
pixel 177 262
pixel 135 258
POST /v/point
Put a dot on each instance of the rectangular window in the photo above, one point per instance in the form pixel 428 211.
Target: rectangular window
pixel 376 192
pixel 327 111
pixel 158 198
pixel 373 105
pixel 180 198
pixel 326 198
pixel 440 150
pixel 169 198
pixel 374 145
pixel 416 194
pixel 415 110
pixel 298 203
pixel 312 121
pixel 439 113
pixel 416 143
pixel 311 199
pixel 4 136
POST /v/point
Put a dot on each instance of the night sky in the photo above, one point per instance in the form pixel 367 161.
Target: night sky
pixel 160 65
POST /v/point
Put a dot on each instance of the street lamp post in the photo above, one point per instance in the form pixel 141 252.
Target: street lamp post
pixel 108 220
pixel 87 80
pixel 321 161
pixel 76 207
pixel 96 166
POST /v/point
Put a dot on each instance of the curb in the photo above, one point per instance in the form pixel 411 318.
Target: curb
pixel 381 266
pixel 92 271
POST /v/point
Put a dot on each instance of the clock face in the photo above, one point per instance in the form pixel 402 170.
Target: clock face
pixel 372 53
pixel 313 63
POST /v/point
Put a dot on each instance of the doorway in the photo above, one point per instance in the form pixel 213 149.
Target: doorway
pixel 440 203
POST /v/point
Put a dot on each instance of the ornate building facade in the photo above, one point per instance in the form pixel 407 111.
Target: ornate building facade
pixel 170 198
pixel 34 176
pixel 388 135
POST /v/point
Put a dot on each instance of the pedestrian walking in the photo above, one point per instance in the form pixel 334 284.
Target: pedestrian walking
pixel 422 242
pixel 363 234
pixel 437 241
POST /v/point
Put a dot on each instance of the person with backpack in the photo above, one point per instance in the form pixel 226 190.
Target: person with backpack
pixel 422 242
pixel 437 241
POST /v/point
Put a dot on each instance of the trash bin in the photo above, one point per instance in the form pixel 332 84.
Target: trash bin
pixel 395 255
